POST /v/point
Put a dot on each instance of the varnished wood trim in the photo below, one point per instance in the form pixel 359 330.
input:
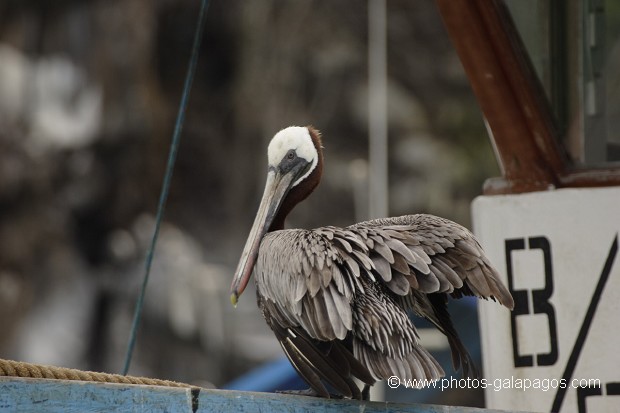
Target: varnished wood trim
pixel 513 101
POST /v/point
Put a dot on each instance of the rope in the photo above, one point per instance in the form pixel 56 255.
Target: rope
pixel 10 368
pixel 176 137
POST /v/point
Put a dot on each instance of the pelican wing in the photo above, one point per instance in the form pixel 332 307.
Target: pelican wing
pixel 431 255
pixel 305 292
pixel 421 259
pixel 306 280
pixel 319 286
pixel 316 361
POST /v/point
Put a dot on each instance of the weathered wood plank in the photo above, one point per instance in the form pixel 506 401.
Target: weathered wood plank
pixel 212 401
pixel 50 396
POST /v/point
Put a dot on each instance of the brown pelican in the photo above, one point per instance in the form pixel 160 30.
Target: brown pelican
pixel 338 299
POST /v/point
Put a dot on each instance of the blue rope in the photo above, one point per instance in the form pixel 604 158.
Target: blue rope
pixel 176 137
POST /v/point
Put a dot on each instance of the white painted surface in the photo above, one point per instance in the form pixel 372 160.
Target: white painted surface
pixel 579 227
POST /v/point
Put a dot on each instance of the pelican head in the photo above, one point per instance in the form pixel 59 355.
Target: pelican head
pixel 294 170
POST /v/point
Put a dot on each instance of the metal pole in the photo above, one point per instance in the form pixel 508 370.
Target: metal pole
pixel 377 123
pixel 377 109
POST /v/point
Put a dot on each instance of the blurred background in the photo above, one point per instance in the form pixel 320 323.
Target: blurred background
pixel 88 95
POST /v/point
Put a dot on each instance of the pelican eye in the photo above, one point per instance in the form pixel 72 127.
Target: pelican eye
pixel 291 161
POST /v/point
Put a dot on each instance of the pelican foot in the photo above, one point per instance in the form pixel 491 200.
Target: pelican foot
pixel 366 393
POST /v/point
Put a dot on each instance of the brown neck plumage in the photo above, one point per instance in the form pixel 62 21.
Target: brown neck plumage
pixel 304 188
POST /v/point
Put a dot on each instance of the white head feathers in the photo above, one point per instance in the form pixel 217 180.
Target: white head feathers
pixel 298 139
